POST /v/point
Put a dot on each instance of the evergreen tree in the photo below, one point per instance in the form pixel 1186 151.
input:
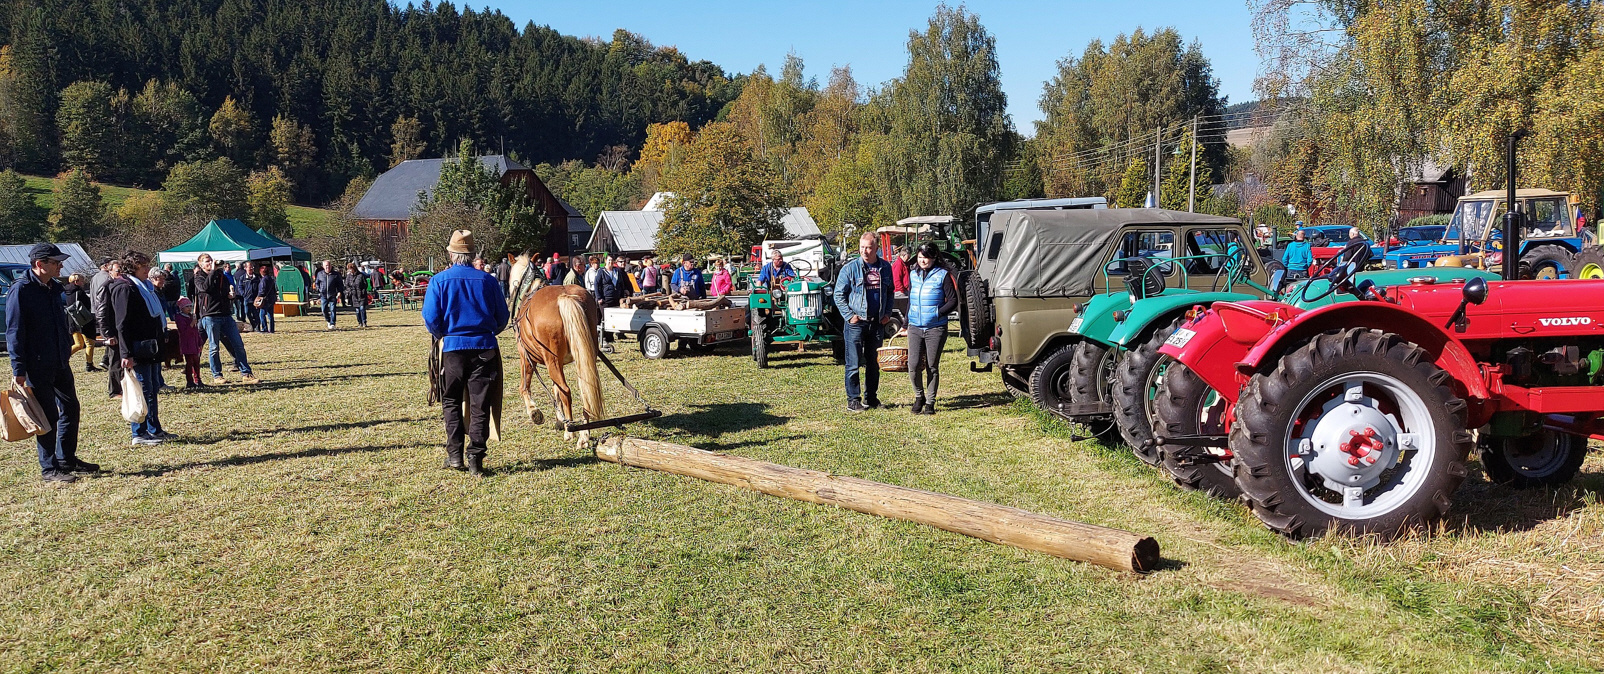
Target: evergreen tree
pixel 1135 186
pixel 1176 189
pixel 88 130
pixel 725 198
pixel 22 219
pixel 269 195
pixel 28 91
pixel 79 215
pixel 170 127
pixel 211 190
pixel 508 220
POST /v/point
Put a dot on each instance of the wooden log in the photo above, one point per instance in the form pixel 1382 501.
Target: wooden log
pixel 1113 548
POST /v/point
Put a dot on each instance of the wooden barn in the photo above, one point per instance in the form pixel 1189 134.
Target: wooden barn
pixel 1436 192
pixel 388 205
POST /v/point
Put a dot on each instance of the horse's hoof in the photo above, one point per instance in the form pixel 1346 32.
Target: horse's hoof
pixel 536 418
pixel 568 435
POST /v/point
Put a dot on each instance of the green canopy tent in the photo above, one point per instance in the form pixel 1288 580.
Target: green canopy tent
pixel 295 253
pixel 226 241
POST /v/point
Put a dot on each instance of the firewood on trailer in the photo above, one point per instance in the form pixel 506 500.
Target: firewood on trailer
pixel 1104 546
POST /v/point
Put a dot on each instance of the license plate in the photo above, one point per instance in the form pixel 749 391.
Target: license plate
pixel 723 335
pixel 1074 326
pixel 1180 338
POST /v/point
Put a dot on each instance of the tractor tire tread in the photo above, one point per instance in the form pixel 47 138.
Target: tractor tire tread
pixel 1180 393
pixel 1129 393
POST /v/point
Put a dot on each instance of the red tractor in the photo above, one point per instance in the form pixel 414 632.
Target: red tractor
pixel 1359 416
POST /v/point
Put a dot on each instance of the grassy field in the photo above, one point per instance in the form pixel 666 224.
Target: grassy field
pixel 305 525
pixel 302 218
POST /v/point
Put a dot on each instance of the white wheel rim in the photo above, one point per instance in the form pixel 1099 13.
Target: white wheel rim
pixel 1319 465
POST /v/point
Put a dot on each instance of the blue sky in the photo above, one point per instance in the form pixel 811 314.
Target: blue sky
pixel 871 35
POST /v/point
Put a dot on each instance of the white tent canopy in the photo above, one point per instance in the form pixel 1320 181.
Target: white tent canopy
pixel 77 262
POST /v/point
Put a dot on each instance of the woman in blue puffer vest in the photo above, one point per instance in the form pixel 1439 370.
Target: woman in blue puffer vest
pixel 932 295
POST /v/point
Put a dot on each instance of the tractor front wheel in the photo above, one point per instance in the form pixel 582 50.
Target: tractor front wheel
pixel 1546 262
pixel 1356 431
pixel 1186 405
pixel 1091 379
pixel 760 344
pixel 1135 385
pixel 1543 459
pixel 1589 263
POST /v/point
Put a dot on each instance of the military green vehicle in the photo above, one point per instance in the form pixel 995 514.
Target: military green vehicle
pixel 1036 266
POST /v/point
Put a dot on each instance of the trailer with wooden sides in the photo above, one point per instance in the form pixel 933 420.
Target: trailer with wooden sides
pixel 696 330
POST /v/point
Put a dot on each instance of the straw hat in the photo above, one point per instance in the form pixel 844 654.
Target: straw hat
pixel 461 242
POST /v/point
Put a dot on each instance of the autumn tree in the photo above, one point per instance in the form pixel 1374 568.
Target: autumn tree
pixel 665 147
pixel 232 131
pixel 212 190
pixel 78 215
pixel 725 198
pixel 269 198
pixel 407 142
pixel 945 121
pixel 294 153
pixel 22 219
pixel 345 237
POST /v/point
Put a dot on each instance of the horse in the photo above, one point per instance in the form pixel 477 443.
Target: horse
pixel 556 326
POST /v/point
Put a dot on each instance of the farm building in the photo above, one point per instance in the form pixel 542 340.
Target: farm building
pixel 388 205
pixel 1435 192
pixel 634 233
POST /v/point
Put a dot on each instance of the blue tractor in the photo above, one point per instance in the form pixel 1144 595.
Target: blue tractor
pixel 1473 238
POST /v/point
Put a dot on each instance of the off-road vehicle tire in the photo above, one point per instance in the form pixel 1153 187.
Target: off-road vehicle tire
pixel 1178 410
pixel 1546 262
pixel 1543 459
pixel 1132 390
pixel 1589 263
pixel 1349 369
pixel 1050 378
pixel 1090 380
pixel 980 326
pixel 1017 386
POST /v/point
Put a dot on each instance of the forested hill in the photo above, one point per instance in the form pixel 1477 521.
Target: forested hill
pixel 344 70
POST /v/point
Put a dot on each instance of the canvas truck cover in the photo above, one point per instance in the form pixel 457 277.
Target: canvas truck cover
pixel 1059 253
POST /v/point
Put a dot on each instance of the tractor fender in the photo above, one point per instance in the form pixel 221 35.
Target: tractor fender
pixel 1214 341
pixel 1155 312
pixel 1096 318
pixel 1446 350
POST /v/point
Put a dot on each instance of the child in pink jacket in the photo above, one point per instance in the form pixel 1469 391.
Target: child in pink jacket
pixel 189 342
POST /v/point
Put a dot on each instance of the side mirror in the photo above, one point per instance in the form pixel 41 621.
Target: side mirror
pixel 1475 290
pixel 1276 277
pixel 1365 289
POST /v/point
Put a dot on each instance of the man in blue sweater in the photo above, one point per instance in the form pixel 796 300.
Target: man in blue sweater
pixel 465 309
pixel 1298 257
pixel 863 294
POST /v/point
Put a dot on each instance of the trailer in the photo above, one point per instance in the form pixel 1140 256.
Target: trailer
pixel 657 329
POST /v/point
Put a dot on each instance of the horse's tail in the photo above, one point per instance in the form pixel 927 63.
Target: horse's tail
pixel 581 335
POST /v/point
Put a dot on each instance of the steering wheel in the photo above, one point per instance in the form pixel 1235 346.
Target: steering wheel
pixel 802 267
pixel 1338 270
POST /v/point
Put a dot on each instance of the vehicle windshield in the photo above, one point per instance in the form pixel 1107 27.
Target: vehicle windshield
pixel 1470 217
pixel 1420 234
pixel 1549 218
pixel 1338 235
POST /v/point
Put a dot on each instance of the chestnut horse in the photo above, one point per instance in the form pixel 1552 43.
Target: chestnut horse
pixel 556 326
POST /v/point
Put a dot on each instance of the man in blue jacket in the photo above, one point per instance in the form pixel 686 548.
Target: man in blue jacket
pixel 1297 257
pixel 863 296
pixel 41 346
pixel 687 280
pixel 465 309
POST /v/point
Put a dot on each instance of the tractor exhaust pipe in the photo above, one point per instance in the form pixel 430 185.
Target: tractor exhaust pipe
pixel 1512 216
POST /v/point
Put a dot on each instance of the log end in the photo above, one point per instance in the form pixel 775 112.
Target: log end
pixel 1144 555
pixel 611 449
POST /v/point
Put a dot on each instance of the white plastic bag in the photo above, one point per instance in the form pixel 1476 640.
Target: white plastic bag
pixel 134 409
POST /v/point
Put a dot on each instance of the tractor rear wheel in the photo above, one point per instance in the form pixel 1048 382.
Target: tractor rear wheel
pixel 1546 262
pixel 1091 377
pixel 1543 459
pixel 1186 405
pixel 1135 383
pixel 1589 263
pixel 1356 431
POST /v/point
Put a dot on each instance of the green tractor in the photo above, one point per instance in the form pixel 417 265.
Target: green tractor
pixel 798 312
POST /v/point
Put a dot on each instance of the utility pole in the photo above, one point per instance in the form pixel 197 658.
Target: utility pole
pixel 1191 195
pixel 1158 144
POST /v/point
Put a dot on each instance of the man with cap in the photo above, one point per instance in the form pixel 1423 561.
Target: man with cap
pixel 40 344
pixel 687 280
pixel 464 309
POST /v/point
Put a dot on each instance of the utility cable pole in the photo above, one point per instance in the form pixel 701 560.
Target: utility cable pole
pixel 1191 195
pixel 1158 144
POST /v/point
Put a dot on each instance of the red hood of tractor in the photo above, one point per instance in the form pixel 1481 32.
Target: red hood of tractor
pixel 1532 309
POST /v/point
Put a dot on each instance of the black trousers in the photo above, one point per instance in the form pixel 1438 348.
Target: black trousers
pixel 114 372
pixel 57 394
pixel 476 373
pixel 924 357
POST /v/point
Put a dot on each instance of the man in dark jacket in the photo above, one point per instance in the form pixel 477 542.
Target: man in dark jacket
pixel 863 294
pixel 109 269
pixel 41 345
pixel 266 298
pixel 138 319
pixel 329 286
pixel 246 289
pixel 504 274
pixel 216 314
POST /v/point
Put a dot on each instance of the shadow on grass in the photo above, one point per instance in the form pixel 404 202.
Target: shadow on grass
pixel 1480 505
pixel 542 465
pixel 238 435
pixel 289 384
pixel 296 365
pixel 725 447
pixel 974 400
pixel 715 420
pixel 253 459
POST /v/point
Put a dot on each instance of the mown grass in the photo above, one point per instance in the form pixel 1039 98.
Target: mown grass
pixel 305 525
pixel 304 219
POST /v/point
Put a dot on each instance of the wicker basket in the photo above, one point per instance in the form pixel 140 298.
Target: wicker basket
pixel 893 358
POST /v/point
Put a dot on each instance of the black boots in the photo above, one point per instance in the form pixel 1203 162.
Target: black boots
pixel 918 406
pixel 476 465
pixel 453 459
